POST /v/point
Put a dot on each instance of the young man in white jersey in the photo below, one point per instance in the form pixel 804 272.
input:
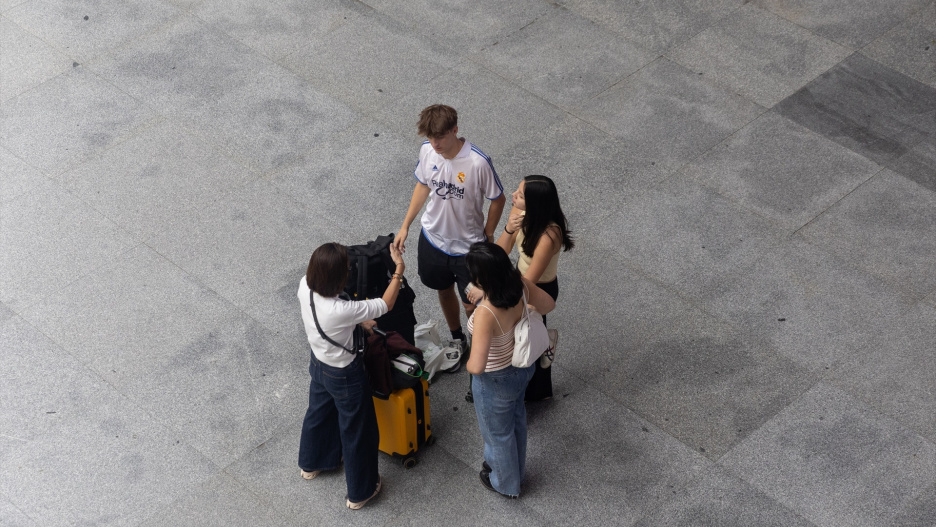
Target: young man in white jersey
pixel 456 178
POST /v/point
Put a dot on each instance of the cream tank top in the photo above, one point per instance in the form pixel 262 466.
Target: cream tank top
pixel 523 263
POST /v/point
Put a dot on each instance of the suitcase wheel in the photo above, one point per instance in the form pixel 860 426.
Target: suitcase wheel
pixel 409 462
pixel 430 440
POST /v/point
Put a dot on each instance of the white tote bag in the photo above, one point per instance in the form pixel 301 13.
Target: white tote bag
pixel 530 338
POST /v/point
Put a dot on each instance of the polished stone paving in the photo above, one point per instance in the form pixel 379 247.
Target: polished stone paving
pixel 748 318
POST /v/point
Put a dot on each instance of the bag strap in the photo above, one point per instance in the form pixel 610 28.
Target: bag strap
pixel 362 269
pixel 526 308
pixel 495 316
pixel 319 327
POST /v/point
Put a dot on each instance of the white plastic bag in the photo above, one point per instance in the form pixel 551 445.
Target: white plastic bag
pixel 426 334
pixel 436 357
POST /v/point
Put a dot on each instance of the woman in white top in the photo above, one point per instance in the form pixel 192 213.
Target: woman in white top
pixel 340 422
pixel 498 386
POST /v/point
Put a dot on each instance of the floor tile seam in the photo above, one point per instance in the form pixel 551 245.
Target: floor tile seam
pixel 58 170
pixel 411 27
pixel 142 36
pixel 634 412
pixel 16 507
pixel 840 383
pixel 687 485
pixel 228 470
pixel 56 49
pixel 479 61
pixel 197 280
pixel 331 90
pixel 150 520
pixel 677 170
pixel 218 146
pixel 61 171
pixel 715 25
pixel 917 297
pixel 5 103
pixel 823 212
pixel 616 85
pixel 648 419
pixel 98 377
pixel 791 88
pixel 862 406
pixel 527 94
pixel 751 341
pixel 158 117
pixel 779 226
pixel 880 415
pixel 626 38
pixel 211 29
pixel 217 29
pixel 719 466
pixel 888 33
pixel 793 400
pixel 929 87
pixel 685 171
pixel 889 279
pixel 75 278
pixel 891 283
pixel 848 47
pixel 279 61
pixel 45 174
pixel 908 20
pixel 785 506
pixel 703 307
pixel 5 15
pixel 665 50
pixel 143 237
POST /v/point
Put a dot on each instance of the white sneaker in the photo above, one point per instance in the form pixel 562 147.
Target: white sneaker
pixel 308 475
pixel 454 351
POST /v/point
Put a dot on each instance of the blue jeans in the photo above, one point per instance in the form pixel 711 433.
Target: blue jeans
pixel 498 402
pixel 340 422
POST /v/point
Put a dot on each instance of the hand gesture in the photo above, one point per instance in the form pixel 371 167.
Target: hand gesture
pixel 368 326
pixel 474 294
pixel 396 255
pixel 399 239
pixel 514 223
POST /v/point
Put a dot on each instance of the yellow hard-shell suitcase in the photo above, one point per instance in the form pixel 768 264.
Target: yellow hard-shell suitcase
pixel 404 422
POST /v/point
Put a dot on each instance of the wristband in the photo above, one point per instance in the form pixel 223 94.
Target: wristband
pixel 508 232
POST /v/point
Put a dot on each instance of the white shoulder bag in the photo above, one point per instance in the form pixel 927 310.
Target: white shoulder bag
pixel 530 338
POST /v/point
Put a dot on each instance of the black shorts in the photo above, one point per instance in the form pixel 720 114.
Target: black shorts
pixel 438 270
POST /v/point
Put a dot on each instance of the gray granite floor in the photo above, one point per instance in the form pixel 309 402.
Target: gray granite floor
pixel 748 319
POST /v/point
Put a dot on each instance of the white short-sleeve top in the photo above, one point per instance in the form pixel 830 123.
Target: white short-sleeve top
pixel 337 318
pixel 454 217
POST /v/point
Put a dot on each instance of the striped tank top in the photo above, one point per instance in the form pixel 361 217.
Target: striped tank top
pixel 502 346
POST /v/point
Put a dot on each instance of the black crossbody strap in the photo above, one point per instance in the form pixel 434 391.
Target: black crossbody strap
pixel 319 327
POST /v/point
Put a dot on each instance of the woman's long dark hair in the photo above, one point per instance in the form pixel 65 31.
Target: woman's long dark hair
pixel 542 209
pixel 491 269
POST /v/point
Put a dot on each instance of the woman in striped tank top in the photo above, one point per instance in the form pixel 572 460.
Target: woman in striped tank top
pixel 498 387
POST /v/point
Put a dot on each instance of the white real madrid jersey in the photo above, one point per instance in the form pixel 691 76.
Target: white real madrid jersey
pixel 454 217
